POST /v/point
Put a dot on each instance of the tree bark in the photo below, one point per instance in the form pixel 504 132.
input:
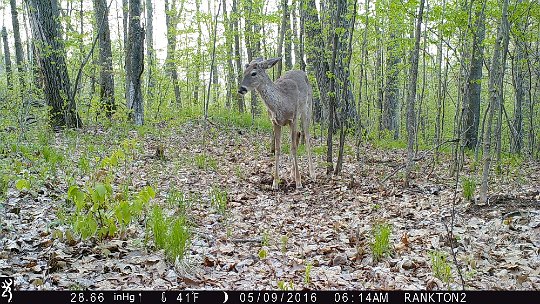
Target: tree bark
pixel 495 87
pixel 44 16
pixel 19 54
pixel 106 76
pixel 7 58
pixel 227 24
pixel 471 103
pixel 391 96
pixel 236 30
pixel 136 63
pixel 150 52
pixel 316 54
pixel 171 21
pixel 343 73
pixel 411 97
pixel 281 38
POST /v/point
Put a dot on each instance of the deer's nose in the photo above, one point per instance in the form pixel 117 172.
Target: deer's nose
pixel 242 90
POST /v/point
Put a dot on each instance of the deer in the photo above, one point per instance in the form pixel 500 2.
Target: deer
pixel 288 100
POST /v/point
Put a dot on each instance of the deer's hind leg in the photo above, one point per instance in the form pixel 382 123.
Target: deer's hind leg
pixel 294 154
pixel 277 138
pixel 306 117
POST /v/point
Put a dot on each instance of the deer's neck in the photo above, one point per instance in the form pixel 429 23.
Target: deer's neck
pixel 270 95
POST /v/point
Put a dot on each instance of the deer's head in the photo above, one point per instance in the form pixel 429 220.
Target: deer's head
pixel 255 74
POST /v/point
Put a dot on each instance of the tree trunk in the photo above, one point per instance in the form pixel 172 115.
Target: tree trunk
pixel 171 21
pixel 495 87
pixel 106 76
pixel 150 53
pixel 343 72
pixel 236 29
pixel 19 54
pixel 302 29
pixel 44 16
pixel 7 57
pixel 315 53
pixel 125 21
pixel 391 96
pixel 281 38
pixel 498 124
pixel 227 24
pixel 438 120
pixel 288 38
pixel 213 72
pixel 471 103
pixel 253 43
pixel 411 97
pixel 519 64
pixel 136 63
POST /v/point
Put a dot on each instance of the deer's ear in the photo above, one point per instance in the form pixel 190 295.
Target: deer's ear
pixel 270 62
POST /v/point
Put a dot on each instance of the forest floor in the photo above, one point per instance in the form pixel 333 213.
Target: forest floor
pixel 318 237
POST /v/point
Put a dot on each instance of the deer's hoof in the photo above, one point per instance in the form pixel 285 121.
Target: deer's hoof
pixel 275 185
pixel 299 186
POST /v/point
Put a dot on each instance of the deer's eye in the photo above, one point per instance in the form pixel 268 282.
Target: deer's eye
pixel 254 74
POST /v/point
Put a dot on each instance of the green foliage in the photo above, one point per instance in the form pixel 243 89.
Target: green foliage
pixel 284 242
pixel 469 187
pixel 100 213
pixel 4 182
pixel 262 254
pixel 22 184
pixel 204 162
pixel 179 199
pixel 380 246
pixel 172 234
pixel 219 199
pixel 307 273
pixel 440 266
pixel 282 285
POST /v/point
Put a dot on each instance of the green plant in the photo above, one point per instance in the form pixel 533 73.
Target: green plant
pixel 307 274
pixel 99 212
pixel 178 199
pixel 4 182
pixel 219 199
pixel 380 247
pixel 284 241
pixel 262 253
pixel 265 240
pixel 469 188
pixel 172 234
pixel 204 162
pixel 440 266
pixel 282 285
pixel 22 184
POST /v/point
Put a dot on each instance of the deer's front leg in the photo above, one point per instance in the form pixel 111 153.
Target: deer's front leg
pixel 277 138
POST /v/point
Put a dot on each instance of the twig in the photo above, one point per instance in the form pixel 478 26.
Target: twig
pixel 450 230
pixel 256 240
